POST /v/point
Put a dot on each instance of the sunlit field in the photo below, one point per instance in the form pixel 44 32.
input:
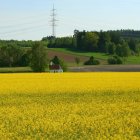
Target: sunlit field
pixel 70 106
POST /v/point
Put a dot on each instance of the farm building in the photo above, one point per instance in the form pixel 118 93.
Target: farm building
pixel 53 68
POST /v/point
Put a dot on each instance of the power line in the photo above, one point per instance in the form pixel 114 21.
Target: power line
pixel 17 25
pixel 23 29
pixel 14 19
pixel 22 23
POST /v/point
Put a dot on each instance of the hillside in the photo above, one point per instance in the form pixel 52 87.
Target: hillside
pixel 69 56
pixel 102 57
pixel 69 59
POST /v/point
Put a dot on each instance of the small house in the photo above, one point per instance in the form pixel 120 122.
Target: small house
pixel 55 68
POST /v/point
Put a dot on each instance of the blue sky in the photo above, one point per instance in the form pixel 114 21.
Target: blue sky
pixel 29 19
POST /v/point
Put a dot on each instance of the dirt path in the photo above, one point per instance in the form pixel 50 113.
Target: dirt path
pixel 106 68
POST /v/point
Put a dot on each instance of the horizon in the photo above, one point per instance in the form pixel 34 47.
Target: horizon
pixel 30 20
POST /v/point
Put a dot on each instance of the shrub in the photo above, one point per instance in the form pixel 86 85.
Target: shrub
pixel 115 60
pixel 92 61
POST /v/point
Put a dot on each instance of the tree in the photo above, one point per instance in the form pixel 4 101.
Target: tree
pixel 79 40
pixel 38 58
pixel 115 37
pixel 90 41
pixel 56 60
pixel 104 39
pixel 138 48
pixel 25 59
pixel 10 55
pixel 123 50
pixel 132 44
pixel 86 41
pixel 119 50
pixel 61 42
pixel 77 60
pixel 111 48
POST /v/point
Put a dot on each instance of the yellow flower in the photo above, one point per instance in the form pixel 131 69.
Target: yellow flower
pixel 70 106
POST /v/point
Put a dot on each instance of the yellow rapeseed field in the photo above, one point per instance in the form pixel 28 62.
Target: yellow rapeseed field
pixel 70 106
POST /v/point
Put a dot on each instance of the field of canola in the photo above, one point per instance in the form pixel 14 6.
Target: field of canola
pixel 70 106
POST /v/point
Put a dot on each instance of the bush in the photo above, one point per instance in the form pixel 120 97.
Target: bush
pixel 92 61
pixel 115 60
pixel 112 61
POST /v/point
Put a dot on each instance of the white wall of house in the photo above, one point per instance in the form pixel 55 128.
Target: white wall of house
pixel 56 71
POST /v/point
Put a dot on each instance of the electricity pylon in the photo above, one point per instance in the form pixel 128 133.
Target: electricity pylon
pixel 53 21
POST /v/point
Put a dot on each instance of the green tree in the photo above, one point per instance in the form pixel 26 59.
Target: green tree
pixel 77 60
pixel 38 57
pixel 56 60
pixel 10 55
pixel 91 41
pixel 25 59
pixel 115 37
pixel 104 39
pixel 86 41
pixel 111 48
pixel 135 47
pixel 123 50
pixel 138 48
pixel 132 45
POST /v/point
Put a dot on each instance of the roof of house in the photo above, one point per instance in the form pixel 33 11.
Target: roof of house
pixel 54 67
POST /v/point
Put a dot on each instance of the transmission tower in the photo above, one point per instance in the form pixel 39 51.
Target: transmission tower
pixel 53 21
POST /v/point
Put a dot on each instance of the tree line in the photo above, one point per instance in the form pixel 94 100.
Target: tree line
pixel 122 43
